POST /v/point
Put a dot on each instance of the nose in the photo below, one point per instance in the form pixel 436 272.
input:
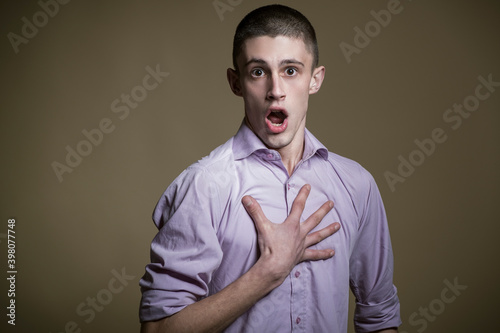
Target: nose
pixel 276 90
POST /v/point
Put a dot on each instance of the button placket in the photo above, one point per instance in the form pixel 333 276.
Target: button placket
pixel 299 298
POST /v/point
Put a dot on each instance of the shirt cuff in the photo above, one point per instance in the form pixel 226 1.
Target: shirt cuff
pixel 374 317
pixel 156 305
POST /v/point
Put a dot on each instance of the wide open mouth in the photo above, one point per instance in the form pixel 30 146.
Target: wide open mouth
pixel 277 116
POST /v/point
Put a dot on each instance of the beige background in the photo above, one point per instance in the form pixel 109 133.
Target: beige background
pixel 72 234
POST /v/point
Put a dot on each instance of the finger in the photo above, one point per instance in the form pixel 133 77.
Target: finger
pixel 255 211
pixel 316 217
pixel 317 254
pixel 300 202
pixel 318 236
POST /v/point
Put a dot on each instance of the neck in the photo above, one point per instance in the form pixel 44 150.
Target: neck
pixel 292 154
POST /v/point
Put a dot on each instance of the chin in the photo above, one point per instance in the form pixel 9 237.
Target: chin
pixel 275 142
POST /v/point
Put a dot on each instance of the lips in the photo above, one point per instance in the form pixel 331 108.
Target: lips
pixel 277 119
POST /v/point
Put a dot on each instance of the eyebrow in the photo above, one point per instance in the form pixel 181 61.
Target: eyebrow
pixel 282 62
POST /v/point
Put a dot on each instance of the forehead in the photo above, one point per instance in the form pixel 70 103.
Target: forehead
pixel 273 50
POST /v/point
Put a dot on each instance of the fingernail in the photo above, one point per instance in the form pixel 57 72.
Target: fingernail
pixel 337 226
pixel 247 202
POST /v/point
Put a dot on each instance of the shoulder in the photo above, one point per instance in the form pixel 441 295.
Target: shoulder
pixel 353 174
pixel 200 184
pixel 357 181
pixel 349 172
pixel 217 157
pixel 207 173
pixel 207 169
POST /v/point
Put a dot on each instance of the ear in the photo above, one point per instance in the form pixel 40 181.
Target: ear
pixel 317 79
pixel 234 81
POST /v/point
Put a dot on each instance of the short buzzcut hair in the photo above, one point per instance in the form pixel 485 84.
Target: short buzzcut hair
pixel 275 20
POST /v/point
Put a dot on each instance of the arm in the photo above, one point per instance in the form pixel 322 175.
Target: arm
pixel 214 313
pixel 371 265
pixel 282 246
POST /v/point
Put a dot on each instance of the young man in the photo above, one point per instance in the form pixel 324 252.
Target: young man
pixel 247 235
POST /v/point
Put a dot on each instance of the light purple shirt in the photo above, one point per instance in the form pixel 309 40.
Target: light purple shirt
pixel 206 240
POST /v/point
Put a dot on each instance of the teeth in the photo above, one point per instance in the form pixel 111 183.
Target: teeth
pixel 278 112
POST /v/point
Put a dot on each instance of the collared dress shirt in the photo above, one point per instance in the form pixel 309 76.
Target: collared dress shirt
pixel 207 240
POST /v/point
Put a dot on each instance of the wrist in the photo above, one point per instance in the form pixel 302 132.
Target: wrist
pixel 267 274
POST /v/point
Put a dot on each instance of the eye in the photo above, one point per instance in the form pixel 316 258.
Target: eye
pixel 291 71
pixel 257 72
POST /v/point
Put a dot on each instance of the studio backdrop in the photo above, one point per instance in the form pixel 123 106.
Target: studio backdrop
pixel 104 103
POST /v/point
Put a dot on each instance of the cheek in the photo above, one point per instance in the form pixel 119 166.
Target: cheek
pixel 299 88
pixel 299 94
pixel 254 95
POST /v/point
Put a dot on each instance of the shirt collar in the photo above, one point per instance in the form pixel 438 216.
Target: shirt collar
pixel 245 143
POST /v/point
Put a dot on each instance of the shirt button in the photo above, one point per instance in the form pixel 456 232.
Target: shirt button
pixel 270 155
pixel 297 274
pixel 297 320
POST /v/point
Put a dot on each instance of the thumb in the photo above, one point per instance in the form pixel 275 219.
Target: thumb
pixel 255 211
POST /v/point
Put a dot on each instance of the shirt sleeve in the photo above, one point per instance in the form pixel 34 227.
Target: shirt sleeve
pixel 186 251
pixel 371 265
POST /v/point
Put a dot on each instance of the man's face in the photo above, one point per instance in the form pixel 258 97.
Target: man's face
pixel 275 81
